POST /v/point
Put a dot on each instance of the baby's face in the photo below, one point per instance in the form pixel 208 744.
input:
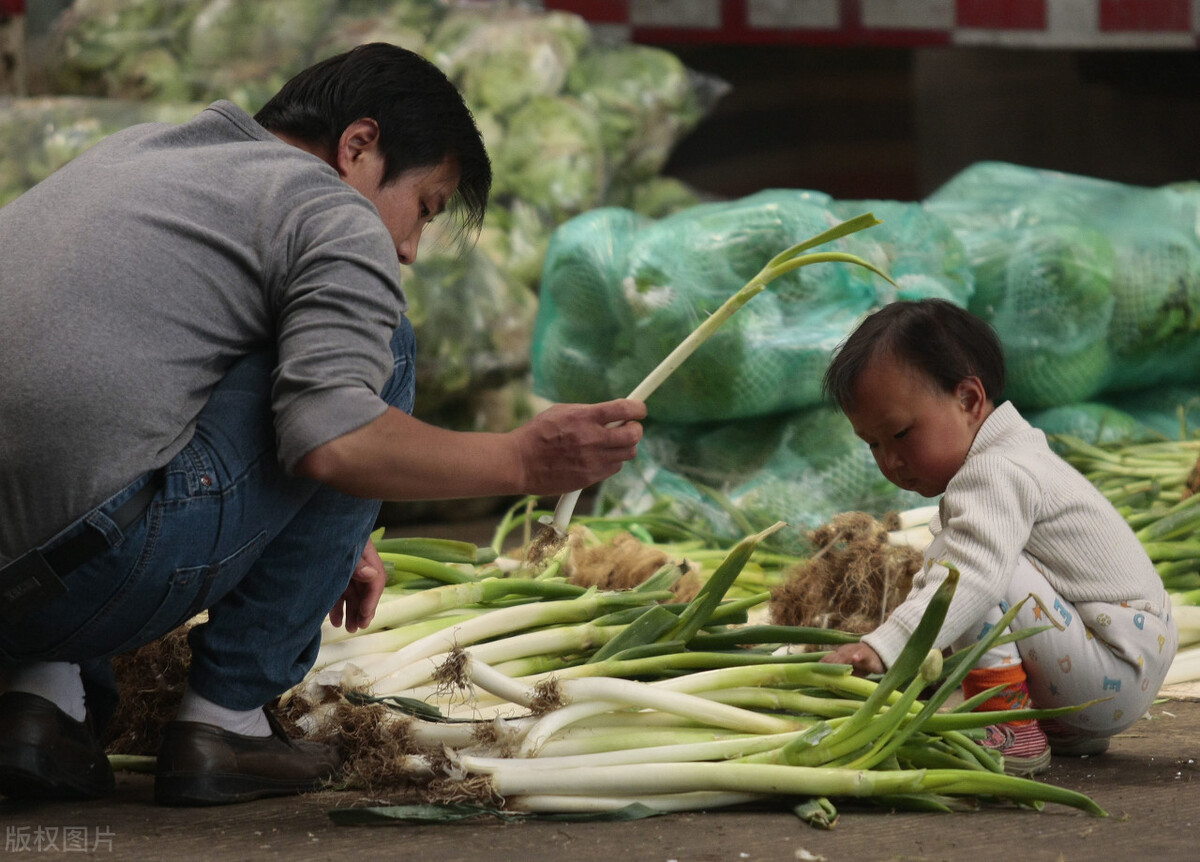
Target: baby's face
pixel 919 434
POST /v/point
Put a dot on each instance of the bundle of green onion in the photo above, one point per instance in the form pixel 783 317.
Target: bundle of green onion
pixel 1149 485
pixel 600 700
pixel 1156 488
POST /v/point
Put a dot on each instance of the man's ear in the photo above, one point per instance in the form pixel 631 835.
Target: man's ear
pixel 358 140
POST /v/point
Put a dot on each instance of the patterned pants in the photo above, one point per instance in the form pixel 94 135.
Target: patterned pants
pixel 1094 650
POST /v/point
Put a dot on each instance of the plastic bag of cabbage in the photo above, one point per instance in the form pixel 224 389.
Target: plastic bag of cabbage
pixel 571 122
pixel 725 478
pixel 620 291
pixel 1093 286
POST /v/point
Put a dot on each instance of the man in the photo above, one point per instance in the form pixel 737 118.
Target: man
pixel 206 383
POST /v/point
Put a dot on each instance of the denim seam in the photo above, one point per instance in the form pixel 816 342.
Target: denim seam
pixel 154 521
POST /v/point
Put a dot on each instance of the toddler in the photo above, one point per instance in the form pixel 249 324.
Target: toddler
pixel 921 383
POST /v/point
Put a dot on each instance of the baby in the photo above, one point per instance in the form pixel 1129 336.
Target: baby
pixel 921 383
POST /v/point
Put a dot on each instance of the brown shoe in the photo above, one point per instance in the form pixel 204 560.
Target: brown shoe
pixel 202 764
pixel 46 754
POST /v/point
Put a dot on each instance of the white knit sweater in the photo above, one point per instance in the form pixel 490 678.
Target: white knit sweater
pixel 1013 495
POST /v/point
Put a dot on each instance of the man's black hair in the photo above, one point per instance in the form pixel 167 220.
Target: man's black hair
pixel 942 341
pixel 421 115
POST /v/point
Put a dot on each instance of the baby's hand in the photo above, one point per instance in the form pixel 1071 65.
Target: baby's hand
pixel 861 657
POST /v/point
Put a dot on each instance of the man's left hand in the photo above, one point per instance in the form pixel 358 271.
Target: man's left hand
pixel 357 604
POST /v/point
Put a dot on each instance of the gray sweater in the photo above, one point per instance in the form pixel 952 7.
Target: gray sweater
pixel 132 279
pixel 1014 496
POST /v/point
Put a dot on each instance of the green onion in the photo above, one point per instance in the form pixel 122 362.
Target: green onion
pixel 784 262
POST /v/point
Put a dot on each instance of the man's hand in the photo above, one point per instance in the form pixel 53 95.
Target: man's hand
pixel 861 657
pixel 571 446
pixel 398 457
pixel 357 604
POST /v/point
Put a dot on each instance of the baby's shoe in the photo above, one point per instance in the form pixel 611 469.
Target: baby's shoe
pixel 1023 745
pixel 1068 742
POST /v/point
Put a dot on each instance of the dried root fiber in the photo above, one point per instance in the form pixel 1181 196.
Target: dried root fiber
pixel 622 564
pixel 150 681
pixel 852 581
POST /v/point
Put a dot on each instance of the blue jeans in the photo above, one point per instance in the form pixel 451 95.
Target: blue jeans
pixel 265 553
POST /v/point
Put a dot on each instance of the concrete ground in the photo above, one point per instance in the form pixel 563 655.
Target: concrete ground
pixel 1149 782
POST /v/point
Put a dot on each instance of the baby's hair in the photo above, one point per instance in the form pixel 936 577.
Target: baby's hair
pixel 940 340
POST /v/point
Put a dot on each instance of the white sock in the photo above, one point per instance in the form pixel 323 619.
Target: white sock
pixel 57 681
pixel 249 722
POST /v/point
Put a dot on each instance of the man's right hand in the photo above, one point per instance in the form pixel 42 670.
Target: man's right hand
pixel 567 447
pixel 571 446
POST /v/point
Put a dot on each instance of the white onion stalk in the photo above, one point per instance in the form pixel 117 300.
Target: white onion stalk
pixel 784 262
pixel 386 641
pixel 463 734
pixel 641 779
pixel 918 517
pixel 553 641
pixel 502 621
pixel 427 603
pixel 917 537
pixel 586 738
pixel 602 694
pixel 1185 667
pixel 1187 618
pixel 649 779
pixel 684 752
pixel 663 803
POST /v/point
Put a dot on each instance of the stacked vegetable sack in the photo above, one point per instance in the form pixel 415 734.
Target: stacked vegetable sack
pixel 571 123
pixel 1092 286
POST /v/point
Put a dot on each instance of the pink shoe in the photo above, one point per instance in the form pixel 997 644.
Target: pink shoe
pixel 1023 746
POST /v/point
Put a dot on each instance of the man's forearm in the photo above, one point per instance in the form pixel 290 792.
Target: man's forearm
pixel 398 457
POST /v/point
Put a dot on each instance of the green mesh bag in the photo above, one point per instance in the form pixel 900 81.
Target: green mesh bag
pixel 1093 286
pixel 620 292
pixel 990 196
pixel 1092 422
pixel 729 478
pixel 1170 412
pixel 923 255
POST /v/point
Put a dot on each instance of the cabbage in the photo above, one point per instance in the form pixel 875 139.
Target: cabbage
pixel 152 74
pixel 551 155
pixel 39 136
pixel 93 38
pixel 655 197
pixel 503 58
pixel 277 35
pixel 645 101
pixel 473 326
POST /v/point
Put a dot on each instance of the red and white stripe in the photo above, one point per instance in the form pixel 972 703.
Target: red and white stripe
pixel 1166 24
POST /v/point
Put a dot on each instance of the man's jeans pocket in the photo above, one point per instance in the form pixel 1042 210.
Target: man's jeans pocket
pixel 141 608
pixel 188 591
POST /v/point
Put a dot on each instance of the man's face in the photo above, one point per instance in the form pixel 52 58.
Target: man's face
pixel 409 202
